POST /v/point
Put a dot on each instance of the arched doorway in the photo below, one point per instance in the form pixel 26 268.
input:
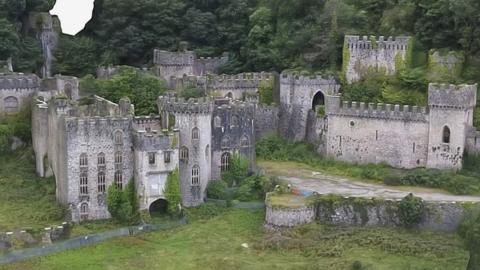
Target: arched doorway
pixel 318 100
pixel 229 95
pixel 158 208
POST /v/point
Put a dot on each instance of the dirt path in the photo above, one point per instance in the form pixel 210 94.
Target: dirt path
pixel 322 183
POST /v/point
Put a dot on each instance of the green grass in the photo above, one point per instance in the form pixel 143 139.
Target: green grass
pixel 288 200
pixel 215 243
pixel 26 201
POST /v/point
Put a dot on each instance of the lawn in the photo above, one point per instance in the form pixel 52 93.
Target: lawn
pixel 216 243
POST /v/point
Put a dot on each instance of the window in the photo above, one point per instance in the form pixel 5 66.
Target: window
pixel 118 158
pixel 166 156
pixel 151 158
pixel 84 211
pixel 83 160
pixel 101 159
pixel 195 175
pixel 446 134
pixel 118 137
pixel 10 104
pixel 195 134
pixel 244 141
pixel 217 121
pixel 119 179
pixel 207 151
pixel 414 148
pixel 101 182
pixel 225 162
pixel 234 121
pixel 184 153
pixel 83 184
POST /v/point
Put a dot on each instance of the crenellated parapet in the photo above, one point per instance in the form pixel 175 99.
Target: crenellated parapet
pixel 240 82
pixel 181 106
pixel 449 96
pixel 96 124
pixel 237 107
pixel 354 43
pixel 298 80
pixel 165 58
pixel 19 81
pixel 155 140
pixel 381 111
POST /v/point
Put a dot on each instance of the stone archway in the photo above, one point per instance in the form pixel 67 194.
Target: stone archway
pixel 229 95
pixel 158 208
pixel 318 100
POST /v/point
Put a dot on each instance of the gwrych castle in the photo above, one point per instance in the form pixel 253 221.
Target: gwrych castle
pixel 89 146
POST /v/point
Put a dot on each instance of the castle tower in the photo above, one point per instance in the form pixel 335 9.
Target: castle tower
pixel 451 115
pixel 193 119
pixel 362 54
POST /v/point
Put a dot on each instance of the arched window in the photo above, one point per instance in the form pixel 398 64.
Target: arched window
pixel 195 134
pixel 184 153
pixel 207 151
pixel 225 142
pixel 195 175
pixel 68 90
pixel 84 211
pixel 244 141
pixel 446 134
pixel 83 184
pixel 101 182
pixel 234 122
pixel 118 137
pixel 101 159
pixel 83 160
pixel 225 162
pixel 10 104
pixel 119 179
pixel 217 121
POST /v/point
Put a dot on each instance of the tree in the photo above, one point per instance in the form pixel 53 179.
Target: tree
pixel 123 204
pixel 411 210
pixel 8 39
pixel 172 192
pixel 237 170
pixel 76 56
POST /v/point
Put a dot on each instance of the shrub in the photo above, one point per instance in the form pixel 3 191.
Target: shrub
pixel 191 92
pixel 410 210
pixel 172 192
pixel 237 171
pixel 254 188
pixel 357 265
pixel 392 179
pixel 123 205
pixel 217 190
pixel 469 230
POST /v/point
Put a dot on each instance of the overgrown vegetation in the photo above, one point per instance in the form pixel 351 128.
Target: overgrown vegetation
pixel 123 204
pixel 470 231
pixel 18 125
pixel 463 182
pixel 141 88
pixel 214 236
pixel 172 193
pixel 411 210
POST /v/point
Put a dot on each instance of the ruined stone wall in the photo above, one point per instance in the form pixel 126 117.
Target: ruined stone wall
pixel 40 137
pixel 266 120
pixel 18 88
pixel 237 86
pixel 364 53
pixel 60 85
pixel 374 133
pixel 317 131
pixel 150 178
pixel 233 132
pixel 194 114
pixel 451 107
pixel 296 97
pixel 174 64
pixel 289 217
pixel 209 65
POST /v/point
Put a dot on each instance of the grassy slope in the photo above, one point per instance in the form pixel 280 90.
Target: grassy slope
pixel 216 244
pixel 26 201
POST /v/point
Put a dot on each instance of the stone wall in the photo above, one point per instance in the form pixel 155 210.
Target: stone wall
pixel 266 120
pixel 16 91
pixel 437 216
pixel 362 54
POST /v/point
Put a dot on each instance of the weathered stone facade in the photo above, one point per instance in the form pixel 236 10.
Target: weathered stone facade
pixel 364 53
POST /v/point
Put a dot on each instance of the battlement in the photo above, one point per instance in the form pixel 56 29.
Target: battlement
pixel 381 111
pixel 239 107
pixel 155 140
pixel 295 79
pixel 165 58
pixel 19 81
pixel 373 43
pixel 240 81
pixel 146 119
pixel 97 124
pixel 182 106
pixel 452 96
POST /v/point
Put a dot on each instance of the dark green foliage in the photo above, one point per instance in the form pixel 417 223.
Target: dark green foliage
pixel 123 204
pixel 172 192
pixel 18 125
pixel 217 190
pixel 192 92
pixel 357 265
pixel 254 188
pixel 265 92
pixel 237 171
pixel 143 89
pixel 8 39
pixel 410 210
pixel 204 211
pixel 76 56
pixel 469 230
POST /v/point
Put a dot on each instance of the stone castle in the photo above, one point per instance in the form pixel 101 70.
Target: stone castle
pixel 90 145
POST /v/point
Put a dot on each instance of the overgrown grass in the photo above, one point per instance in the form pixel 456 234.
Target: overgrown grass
pixel 465 182
pixel 26 201
pixel 215 242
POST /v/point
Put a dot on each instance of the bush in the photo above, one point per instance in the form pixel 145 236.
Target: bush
pixel 123 204
pixel 172 192
pixel 357 265
pixel 237 171
pixel 411 210
pixel 254 188
pixel 217 190
pixel 392 179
